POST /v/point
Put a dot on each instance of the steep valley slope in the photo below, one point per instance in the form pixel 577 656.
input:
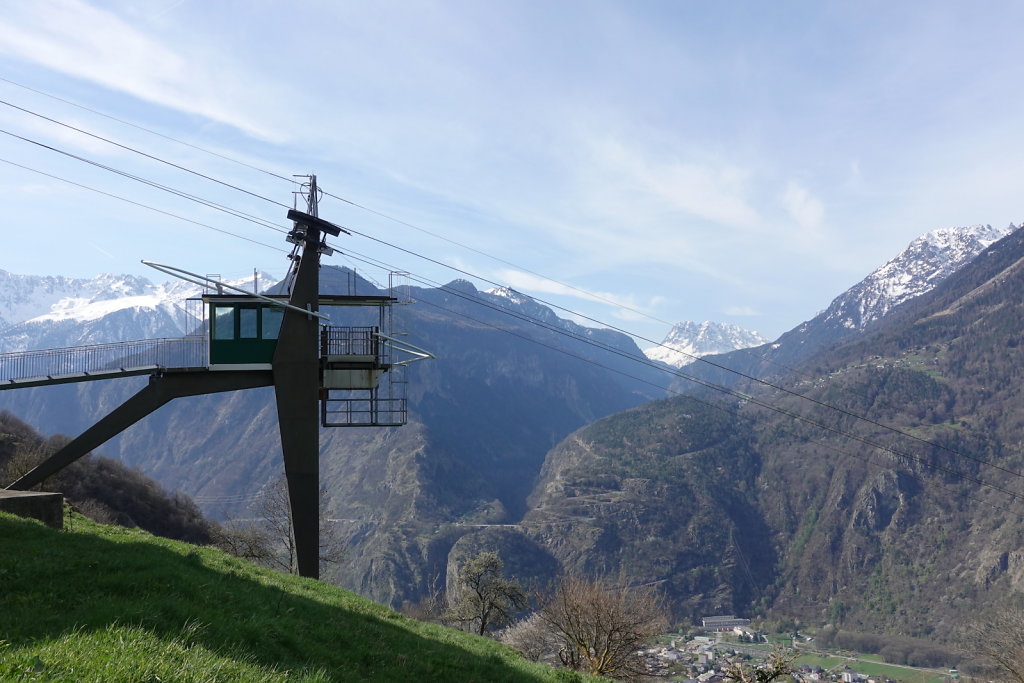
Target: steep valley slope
pixel 817 509
pixel 727 505
pixel 483 415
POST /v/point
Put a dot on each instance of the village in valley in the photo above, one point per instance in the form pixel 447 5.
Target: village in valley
pixel 703 654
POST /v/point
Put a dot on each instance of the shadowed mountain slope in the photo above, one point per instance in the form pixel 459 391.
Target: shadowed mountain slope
pixel 734 508
pixel 482 417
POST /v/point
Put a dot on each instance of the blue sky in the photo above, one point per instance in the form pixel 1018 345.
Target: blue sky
pixel 737 161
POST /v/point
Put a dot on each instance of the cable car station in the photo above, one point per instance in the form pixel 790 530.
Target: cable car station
pixel 245 340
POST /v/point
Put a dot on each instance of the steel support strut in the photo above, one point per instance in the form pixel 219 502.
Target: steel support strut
pixel 296 370
pixel 162 388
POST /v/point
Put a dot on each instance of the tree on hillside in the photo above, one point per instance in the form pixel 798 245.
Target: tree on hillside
pixel 430 607
pixel 777 665
pixel 533 637
pixel 999 638
pixel 100 488
pixel 268 539
pixel 483 598
pixel 601 628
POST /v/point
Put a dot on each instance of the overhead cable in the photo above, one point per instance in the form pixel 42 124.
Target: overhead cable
pixel 148 156
pixel 368 209
pixel 752 378
pixel 749 377
pixel 141 205
pixel 148 130
pixel 735 394
pixel 131 176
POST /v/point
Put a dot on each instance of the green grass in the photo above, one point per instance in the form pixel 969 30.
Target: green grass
pixel 894 672
pixel 819 660
pixel 872 668
pixel 102 603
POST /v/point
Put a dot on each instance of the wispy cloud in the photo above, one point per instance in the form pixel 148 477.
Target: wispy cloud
pixel 37 128
pixel 669 185
pixel 805 209
pixel 96 45
pixel 741 310
pixel 532 283
pixel 625 306
pixel 102 250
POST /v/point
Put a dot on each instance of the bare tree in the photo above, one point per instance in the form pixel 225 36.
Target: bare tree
pixel 246 540
pixel 777 665
pixel 484 598
pixel 430 607
pixel 601 628
pixel 532 637
pixel 274 510
pixel 22 461
pixel 268 539
pixel 999 638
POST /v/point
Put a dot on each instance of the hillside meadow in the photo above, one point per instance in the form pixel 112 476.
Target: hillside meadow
pixel 96 602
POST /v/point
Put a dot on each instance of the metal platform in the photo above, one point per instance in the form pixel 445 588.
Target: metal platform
pixel 76 377
pixel 23 369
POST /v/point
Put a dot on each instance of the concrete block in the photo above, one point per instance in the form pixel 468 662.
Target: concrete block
pixel 48 508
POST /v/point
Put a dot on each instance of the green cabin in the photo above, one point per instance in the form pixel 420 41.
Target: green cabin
pixel 243 331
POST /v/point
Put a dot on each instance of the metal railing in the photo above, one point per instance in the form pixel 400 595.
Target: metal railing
pixel 349 341
pixel 360 411
pixel 190 352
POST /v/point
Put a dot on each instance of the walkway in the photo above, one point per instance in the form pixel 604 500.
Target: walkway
pixel 100 361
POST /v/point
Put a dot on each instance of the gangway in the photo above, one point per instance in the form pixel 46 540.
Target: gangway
pixel 37 368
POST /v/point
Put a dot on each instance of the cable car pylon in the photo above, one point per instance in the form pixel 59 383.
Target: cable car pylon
pixel 282 341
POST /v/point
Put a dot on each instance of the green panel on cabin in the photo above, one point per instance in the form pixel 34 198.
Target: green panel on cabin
pixel 243 333
pixel 242 351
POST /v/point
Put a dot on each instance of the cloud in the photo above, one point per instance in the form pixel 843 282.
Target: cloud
pixel 73 38
pixel 36 128
pixel 102 250
pixel 741 310
pixel 805 209
pixel 667 184
pixel 528 282
pixel 626 305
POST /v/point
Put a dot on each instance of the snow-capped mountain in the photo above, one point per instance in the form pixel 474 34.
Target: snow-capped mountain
pixel 922 266
pixel 23 297
pixel 925 263
pixel 39 312
pixel 689 340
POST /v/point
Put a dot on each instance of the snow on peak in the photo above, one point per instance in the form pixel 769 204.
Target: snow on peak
pixel 508 293
pixel 32 301
pixel 690 340
pixel 927 261
pixel 82 309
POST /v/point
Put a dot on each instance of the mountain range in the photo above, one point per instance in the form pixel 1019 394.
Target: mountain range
pixel 916 270
pixel 500 394
pixel 40 312
pixel 730 506
pixel 687 341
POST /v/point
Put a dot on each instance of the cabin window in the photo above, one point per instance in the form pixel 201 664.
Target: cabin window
pixel 272 322
pixel 247 323
pixel 224 322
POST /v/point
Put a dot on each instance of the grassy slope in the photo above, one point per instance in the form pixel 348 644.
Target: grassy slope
pixel 106 603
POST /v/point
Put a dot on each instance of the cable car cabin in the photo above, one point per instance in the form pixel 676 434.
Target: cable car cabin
pixel 361 382
pixel 244 332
